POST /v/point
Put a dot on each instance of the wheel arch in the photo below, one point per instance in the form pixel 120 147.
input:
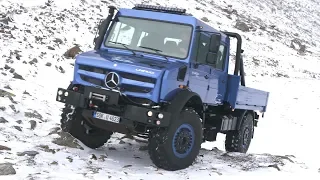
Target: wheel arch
pixel 185 98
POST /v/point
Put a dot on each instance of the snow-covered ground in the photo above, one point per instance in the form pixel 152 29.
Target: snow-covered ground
pixel 35 34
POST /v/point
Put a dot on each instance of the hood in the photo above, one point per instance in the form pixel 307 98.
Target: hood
pixel 126 63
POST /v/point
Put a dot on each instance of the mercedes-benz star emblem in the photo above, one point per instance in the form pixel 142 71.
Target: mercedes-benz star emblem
pixel 112 80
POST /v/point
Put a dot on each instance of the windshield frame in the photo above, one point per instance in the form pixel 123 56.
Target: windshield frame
pixel 105 42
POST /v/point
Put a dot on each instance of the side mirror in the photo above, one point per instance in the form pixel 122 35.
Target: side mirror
pixel 214 43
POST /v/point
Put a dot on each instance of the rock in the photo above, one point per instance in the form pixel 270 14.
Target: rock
pixel 54 163
pixel 94 157
pixel 33 61
pixel 61 69
pixel 33 114
pixel 54 130
pixel 50 48
pixel 242 26
pixel 7 87
pixel 19 122
pixel 6 67
pixel 4 93
pixel 28 153
pixel 26 93
pixel 66 140
pixel 33 124
pixel 13 108
pixel 58 41
pixel 275 166
pixel 205 19
pixel 6 169
pixel 46 148
pixel 48 64
pixel 70 159
pixel 3 120
pixel 71 53
pixel 18 76
pixel 298 45
pixel 102 157
pixel 4 148
pixel 18 128
pixel 12 100
pixel 6 20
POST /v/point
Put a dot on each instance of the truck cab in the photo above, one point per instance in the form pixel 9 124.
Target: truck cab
pixel 160 72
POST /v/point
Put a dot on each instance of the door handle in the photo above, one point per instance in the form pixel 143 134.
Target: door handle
pixel 206 76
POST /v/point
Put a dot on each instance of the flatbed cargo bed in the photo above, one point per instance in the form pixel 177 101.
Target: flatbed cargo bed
pixel 252 99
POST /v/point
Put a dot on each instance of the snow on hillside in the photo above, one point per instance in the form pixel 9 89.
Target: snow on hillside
pixel 281 43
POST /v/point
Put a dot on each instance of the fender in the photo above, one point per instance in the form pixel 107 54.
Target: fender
pixel 181 99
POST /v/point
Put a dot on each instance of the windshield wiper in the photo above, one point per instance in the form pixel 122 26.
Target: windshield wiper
pixel 124 45
pixel 155 50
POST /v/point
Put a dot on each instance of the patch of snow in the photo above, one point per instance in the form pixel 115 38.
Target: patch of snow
pixel 285 139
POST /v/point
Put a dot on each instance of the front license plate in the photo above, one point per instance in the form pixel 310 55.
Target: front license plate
pixel 106 117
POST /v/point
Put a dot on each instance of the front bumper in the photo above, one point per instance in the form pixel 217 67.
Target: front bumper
pixel 93 100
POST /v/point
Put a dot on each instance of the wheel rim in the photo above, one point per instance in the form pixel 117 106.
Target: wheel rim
pixel 246 137
pixel 183 141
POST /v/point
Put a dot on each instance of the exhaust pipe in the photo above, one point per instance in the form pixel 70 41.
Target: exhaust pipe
pixel 103 28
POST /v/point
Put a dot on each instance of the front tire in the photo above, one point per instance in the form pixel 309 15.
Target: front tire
pixel 74 123
pixel 239 140
pixel 177 146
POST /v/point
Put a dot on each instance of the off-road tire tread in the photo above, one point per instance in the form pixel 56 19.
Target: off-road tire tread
pixel 76 130
pixel 233 138
pixel 157 151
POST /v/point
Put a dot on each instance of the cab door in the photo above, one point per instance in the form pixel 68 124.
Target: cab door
pixel 199 71
pixel 218 78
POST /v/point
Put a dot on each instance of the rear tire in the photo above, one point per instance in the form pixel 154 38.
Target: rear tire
pixel 177 146
pixel 239 141
pixel 76 127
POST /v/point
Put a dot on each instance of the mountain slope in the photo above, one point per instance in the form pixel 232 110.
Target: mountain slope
pixel 36 34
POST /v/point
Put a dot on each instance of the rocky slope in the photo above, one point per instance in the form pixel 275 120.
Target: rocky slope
pixel 281 39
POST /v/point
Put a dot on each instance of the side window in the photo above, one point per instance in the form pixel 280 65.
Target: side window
pixel 221 57
pixel 203 47
pixel 122 33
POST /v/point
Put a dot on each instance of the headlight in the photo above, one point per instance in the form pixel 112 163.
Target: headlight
pixel 149 113
pixel 160 115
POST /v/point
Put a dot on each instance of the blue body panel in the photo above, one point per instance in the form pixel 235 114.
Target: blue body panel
pixel 217 88
pixel 232 90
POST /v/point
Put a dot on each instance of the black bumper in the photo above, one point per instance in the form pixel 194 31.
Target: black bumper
pixel 108 102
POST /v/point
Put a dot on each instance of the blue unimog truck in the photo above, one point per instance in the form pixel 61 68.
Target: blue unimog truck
pixel 162 74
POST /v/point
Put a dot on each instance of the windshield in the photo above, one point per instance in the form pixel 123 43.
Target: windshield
pixel 156 37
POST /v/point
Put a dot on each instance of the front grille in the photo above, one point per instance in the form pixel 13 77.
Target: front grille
pixel 93 80
pixel 122 74
pixel 135 89
pixel 124 87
